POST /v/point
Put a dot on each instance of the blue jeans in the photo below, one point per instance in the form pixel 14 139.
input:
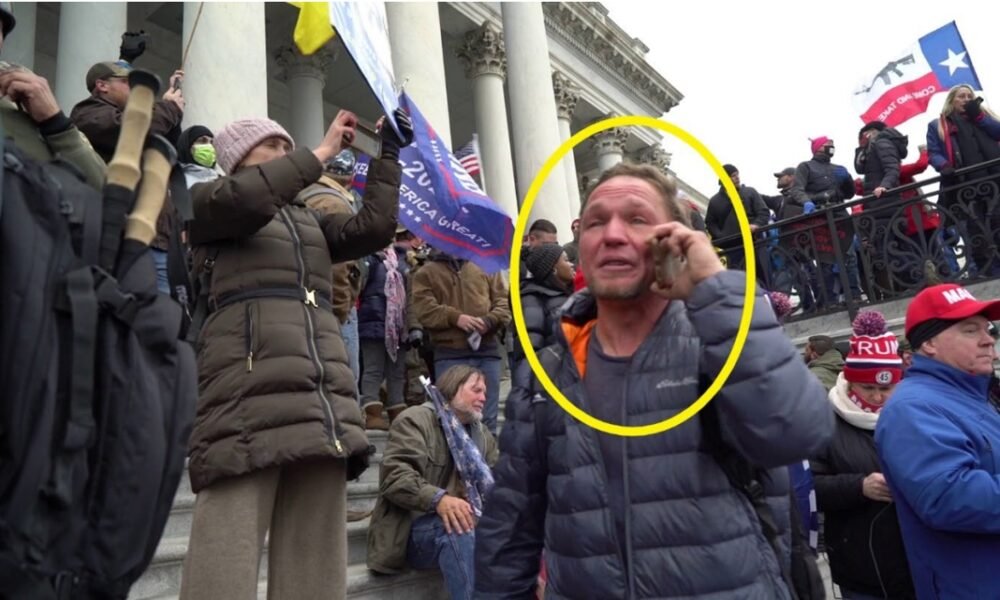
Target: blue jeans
pixel 349 331
pixel 160 259
pixel 431 546
pixel 490 366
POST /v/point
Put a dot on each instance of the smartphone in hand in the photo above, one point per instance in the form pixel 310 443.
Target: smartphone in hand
pixel 367 141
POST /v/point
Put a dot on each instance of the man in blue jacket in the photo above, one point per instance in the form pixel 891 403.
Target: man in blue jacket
pixel 939 442
pixel 653 516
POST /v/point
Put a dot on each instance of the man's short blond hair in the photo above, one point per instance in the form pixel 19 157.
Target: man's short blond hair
pixel 664 184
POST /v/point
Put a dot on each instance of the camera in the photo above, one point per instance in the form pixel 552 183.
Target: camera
pixel 133 45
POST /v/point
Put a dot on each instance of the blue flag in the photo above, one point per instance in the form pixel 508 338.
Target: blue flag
pixel 442 204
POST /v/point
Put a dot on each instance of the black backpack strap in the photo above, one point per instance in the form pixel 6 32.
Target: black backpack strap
pixel 180 196
pixel 200 295
pixel 746 478
pixel 84 313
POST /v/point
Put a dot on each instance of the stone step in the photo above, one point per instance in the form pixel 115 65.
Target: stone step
pixel 362 584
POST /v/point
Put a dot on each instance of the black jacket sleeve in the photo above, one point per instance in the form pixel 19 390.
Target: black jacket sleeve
pixel 350 236
pixel 836 491
pixel 758 213
pixel 511 534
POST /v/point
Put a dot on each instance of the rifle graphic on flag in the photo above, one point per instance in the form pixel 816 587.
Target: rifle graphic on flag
pixel 903 88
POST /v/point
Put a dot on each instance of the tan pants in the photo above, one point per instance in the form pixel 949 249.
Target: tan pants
pixel 303 505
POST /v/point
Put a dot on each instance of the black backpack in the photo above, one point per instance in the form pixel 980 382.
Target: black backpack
pixel 98 393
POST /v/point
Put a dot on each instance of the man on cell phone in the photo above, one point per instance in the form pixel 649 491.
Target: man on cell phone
pixel 462 309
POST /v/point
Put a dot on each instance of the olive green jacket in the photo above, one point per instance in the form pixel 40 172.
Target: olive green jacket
pixel 416 464
pixel 58 139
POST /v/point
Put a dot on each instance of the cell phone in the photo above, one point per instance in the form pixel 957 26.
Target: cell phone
pixel 367 141
pixel 475 338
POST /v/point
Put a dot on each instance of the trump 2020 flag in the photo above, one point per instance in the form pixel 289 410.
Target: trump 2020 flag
pixel 442 204
pixel 904 86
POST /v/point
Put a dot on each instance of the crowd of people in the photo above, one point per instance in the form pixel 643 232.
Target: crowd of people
pixel 322 314
pixel 896 239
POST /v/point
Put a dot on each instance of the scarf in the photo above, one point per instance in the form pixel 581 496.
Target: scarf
pixel 395 302
pixel 852 409
pixel 472 469
pixel 973 144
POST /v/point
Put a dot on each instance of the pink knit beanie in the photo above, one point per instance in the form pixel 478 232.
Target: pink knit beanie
pixel 818 143
pixel 238 138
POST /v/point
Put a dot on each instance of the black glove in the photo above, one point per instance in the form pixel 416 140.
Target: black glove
pixel 822 198
pixel 947 173
pixel 416 338
pixel 133 45
pixel 974 108
pixel 391 143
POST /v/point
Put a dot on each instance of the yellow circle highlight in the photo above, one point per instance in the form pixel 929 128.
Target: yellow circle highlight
pixel 748 301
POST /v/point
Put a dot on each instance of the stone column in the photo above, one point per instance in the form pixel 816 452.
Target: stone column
pixel 533 110
pixel 567 94
pixel 226 70
pixel 610 147
pixel 19 48
pixel 89 32
pixel 305 76
pixel 486 64
pixel 418 60
pixel 656 156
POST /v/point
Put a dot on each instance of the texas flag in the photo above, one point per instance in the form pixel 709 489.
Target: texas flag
pixel 903 88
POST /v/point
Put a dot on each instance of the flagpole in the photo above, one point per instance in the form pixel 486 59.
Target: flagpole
pixel 479 157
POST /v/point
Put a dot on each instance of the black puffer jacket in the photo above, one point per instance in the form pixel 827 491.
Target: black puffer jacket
pixel 816 181
pixel 879 163
pixel 541 302
pixel 862 536
pixel 691 534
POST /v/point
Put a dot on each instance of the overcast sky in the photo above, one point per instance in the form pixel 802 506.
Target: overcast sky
pixel 760 79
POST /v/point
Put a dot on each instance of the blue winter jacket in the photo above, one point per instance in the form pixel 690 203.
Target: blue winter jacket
pixel 371 311
pixel 689 533
pixel 939 442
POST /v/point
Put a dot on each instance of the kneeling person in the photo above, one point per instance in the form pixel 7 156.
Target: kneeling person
pixel 435 472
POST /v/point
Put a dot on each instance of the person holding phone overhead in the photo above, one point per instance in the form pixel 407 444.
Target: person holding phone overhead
pixel 278 429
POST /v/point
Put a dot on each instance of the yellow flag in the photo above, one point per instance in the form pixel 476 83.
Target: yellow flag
pixel 313 29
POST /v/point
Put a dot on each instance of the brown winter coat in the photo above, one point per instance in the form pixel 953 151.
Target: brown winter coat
pixel 101 122
pixel 416 464
pixel 260 358
pixel 329 197
pixel 441 294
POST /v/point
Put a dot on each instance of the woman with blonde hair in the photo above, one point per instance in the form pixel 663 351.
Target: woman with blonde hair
pixel 966 134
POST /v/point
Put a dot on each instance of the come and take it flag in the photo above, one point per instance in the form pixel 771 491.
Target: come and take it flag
pixel 441 203
pixel 903 88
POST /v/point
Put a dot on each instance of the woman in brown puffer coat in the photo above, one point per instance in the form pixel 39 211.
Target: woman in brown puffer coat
pixel 278 431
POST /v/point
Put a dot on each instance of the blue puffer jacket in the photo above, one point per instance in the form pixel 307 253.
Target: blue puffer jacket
pixel 371 311
pixel 690 534
pixel 939 441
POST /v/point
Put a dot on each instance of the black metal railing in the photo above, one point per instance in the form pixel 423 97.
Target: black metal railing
pixel 928 232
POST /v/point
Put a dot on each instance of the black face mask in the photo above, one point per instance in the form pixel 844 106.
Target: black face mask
pixel 829 151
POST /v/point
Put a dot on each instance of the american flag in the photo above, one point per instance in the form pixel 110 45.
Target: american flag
pixel 468 156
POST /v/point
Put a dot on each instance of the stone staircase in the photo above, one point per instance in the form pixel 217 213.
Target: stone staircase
pixel 162 580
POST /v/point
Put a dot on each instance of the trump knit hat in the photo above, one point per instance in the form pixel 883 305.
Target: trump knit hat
pixel 237 139
pixel 939 307
pixel 817 143
pixel 874 355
